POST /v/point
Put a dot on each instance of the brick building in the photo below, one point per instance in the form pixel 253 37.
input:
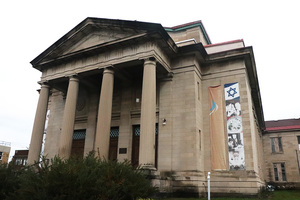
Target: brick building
pixel 20 157
pixel 163 97
pixel 4 152
pixel 281 143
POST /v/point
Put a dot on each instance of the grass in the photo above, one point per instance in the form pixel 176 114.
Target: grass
pixel 276 195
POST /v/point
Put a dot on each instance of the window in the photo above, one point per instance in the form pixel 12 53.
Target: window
pixel 25 161
pixel 298 137
pixel 79 134
pixel 114 132
pixel 19 161
pixel 279 172
pixel 198 88
pixel 113 143
pixel 276 145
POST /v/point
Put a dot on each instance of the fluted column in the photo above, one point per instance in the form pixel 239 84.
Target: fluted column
pixel 38 125
pixel 67 131
pixel 104 114
pixel 148 114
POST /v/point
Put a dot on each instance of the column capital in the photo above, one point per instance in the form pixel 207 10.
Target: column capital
pixel 74 78
pixel 108 70
pixel 150 61
pixel 45 85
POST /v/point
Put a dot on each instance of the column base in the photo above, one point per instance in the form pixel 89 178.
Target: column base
pixel 150 171
pixel 148 167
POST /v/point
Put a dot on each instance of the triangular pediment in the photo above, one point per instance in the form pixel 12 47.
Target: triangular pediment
pixel 101 36
pixel 93 32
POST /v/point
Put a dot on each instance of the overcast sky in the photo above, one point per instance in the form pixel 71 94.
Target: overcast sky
pixel 29 27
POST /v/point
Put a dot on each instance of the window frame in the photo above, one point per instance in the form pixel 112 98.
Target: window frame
pixel 279 171
pixel 276 145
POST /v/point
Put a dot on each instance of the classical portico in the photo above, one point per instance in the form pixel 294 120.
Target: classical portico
pixel 68 77
pixel 104 116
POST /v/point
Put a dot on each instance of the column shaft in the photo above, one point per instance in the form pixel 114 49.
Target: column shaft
pixel 104 115
pixel 39 125
pixel 148 115
pixel 67 131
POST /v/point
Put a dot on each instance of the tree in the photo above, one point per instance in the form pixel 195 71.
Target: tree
pixel 9 179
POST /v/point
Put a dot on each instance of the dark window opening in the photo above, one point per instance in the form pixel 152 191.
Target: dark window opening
pixel 113 143
pixel 276 145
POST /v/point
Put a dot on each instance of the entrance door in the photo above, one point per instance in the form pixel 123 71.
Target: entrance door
pixel 135 146
pixel 78 143
pixel 113 143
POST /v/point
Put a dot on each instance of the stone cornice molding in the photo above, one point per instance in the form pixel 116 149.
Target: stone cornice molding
pixel 246 54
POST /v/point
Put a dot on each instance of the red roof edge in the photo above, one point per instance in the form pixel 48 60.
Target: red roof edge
pixel 283 128
pixel 228 42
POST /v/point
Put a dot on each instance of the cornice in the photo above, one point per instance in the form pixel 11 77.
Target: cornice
pixel 246 54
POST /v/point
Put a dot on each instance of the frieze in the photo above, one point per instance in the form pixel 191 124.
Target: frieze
pixel 102 60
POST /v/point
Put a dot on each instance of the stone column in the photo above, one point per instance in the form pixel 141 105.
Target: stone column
pixel 67 131
pixel 39 125
pixel 148 115
pixel 104 114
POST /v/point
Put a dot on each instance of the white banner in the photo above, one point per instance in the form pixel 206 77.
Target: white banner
pixel 234 127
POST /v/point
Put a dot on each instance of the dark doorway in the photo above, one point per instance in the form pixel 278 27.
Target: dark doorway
pixel 156 144
pixel 113 143
pixel 78 143
pixel 135 146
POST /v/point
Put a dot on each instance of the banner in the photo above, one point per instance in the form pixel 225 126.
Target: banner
pixel 217 129
pixel 234 127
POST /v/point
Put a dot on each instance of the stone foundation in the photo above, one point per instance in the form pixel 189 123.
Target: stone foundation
pixel 194 183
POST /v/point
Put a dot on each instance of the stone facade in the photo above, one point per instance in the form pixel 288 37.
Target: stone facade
pixel 4 152
pixel 20 158
pixel 281 143
pixel 139 91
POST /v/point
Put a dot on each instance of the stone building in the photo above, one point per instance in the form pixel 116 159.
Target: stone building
pixel 281 143
pixel 4 152
pixel 20 157
pixel 165 98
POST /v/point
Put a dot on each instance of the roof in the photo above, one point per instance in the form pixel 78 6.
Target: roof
pixel 224 43
pixel 190 25
pixel 21 152
pixel 283 125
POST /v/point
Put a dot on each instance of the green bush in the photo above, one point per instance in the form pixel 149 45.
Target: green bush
pixel 87 179
pixel 9 180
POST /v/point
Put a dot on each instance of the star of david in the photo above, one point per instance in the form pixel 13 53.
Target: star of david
pixel 231 92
